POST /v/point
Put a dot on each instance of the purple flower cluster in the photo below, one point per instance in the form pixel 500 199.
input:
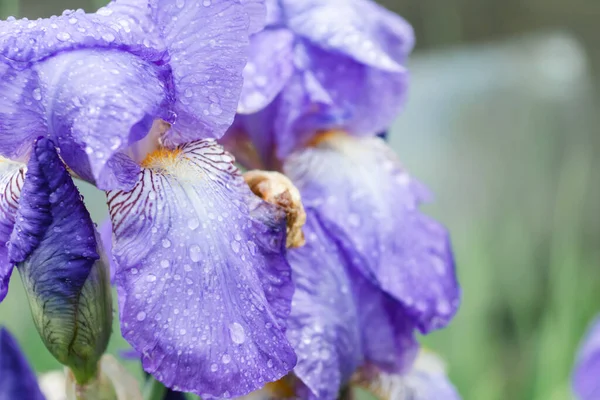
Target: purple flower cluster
pixel 131 99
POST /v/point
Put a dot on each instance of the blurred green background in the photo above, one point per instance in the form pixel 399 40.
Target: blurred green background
pixel 502 124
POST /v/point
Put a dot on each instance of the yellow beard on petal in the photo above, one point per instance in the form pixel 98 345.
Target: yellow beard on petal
pixel 325 136
pixel 162 158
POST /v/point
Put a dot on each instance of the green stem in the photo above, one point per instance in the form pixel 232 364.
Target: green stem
pixel 154 390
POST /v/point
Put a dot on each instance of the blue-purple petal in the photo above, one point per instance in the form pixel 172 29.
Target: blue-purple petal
pixel 17 379
pixel 360 29
pixel 207 43
pixel 204 286
pixel 12 175
pixel 53 244
pixel 371 205
pixel 93 117
pixel 324 324
pixel 586 377
pixel 124 25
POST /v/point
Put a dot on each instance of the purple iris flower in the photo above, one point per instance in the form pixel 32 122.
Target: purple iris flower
pixel 323 79
pixel 17 379
pixel 131 99
pixel 586 378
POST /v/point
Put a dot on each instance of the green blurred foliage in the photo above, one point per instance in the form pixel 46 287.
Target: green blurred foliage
pixel 526 244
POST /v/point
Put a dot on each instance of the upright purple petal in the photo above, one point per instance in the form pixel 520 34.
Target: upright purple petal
pixel 12 175
pixel 204 286
pixel 17 379
pixel 586 378
pixel 207 43
pixel 371 205
pixel 91 116
pixel 324 324
pixel 124 25
pixel 369 33
pixel 257 13
pixel 21 113
pixel 270 67
pixel 53 244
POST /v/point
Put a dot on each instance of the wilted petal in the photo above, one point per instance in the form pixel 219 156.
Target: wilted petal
pixel 207 43
pixel 586 378
pixel 268 69
pixel 99 102
pixel 370 204
pixel 204 285
pixel 53 245
pixel 17 379
pixel 366 32
pixel 324 323
pixel 426 381
pixel 12 175
pixel 122 25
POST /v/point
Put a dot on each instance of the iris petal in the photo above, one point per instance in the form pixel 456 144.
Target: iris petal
pixel 204 286
pixel 257 12
pixel 366 200
pixel 17 379
pixel 123 25
pixel 324 323
pixel 53 244
pixel 93 117
pixel 264 78
pixel 207 43
pixel 12 175
pixel 585 378
pixel 369 33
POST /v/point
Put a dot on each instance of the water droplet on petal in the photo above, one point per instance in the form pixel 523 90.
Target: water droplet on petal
pixel 226 359
pixel 141 316
pixel 37 94
pixel 180 3
pixel 166 243
pixel 195 253
pixel 63 36
pixel 193 223
pixel 109 37
pixel 206 3
pixel 214 367
pixel 237 333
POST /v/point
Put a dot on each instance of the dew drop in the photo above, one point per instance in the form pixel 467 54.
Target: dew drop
pixel 109 37
pixel 164 263
pixel 237 333
pixel 193 223
pixel 226 359
pixel 235 246
pixel 166 243
pixel 180 3
pixel 214 367
pixel 206 3
pixel 37 94
pixel 270 363
pixel 195 253
pixel 151 278
pixel 141 316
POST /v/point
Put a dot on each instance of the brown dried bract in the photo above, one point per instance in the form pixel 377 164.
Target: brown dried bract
pixel 277 189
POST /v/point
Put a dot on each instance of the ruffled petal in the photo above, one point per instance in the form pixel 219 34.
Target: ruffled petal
pixel 122 25
pixel 17 379
pixel 370 204
pixel 12 175
pixel 53 244
pixel 204 286
pixel 269 67
pixel 427 380
pixel 207 43
pixel 366 32
pixel 92 117
pixel 586 382
pixel 324 323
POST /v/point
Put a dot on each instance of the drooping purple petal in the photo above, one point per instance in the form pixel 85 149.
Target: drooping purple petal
pixel 586 377
pixel 53 244
pixel 17 379
pixel 370 204
pixel 268 70
pixel 204 286
pixel 107 239
pixel 360 29
pixel 12 175
pixel 207 43
pixel 324 324
pixel 91 117
pixel 125 25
